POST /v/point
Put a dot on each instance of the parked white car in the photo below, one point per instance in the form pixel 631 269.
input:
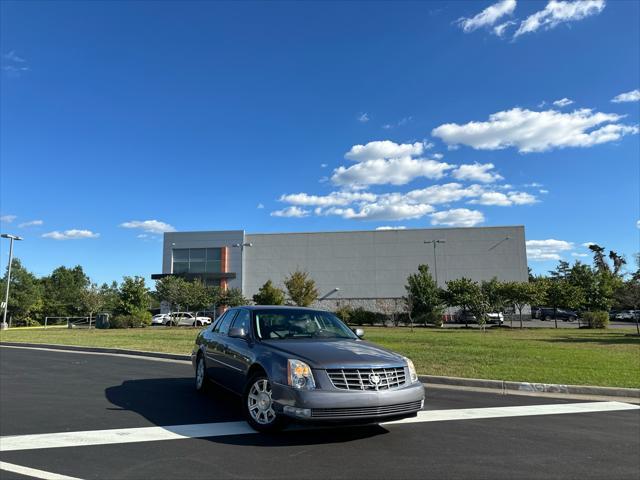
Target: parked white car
pixel 160 319
pixel 186 319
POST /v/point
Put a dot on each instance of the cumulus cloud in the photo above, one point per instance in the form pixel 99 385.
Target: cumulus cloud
pixel 445 193
pixel 549 249
pixel 388 227
pixel 395 171
pixel 588 244
pixel 477 172
pixel 32 223
pixel 73 234
pixel 386 208
pixel 563 102
pixel 332 199
pixel 457 217
pixel 487 17
pixel 152 226
pixel 632 96
pixel 505 200
pixel 557 12
pixel 291 212
pixel 383 149
pixel 531 131
pixel 580 255
pixel 7 218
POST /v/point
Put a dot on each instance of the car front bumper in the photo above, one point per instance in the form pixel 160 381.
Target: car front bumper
pixel 348 406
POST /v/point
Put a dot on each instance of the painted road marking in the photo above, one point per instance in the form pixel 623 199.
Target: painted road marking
pixel 32 472
pixel 202 430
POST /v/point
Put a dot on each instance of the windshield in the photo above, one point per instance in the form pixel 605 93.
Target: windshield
pixel 275 324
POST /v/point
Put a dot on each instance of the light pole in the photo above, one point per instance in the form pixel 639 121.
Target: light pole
pixel 435 260
pixel 242 246
pixel 327 295
pixel 11 238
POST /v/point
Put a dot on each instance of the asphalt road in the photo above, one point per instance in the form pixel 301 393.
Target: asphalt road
pixel 50 392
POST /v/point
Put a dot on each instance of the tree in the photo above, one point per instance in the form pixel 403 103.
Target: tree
pixel 199 296
pixel 521 294
pixel 173 290
pixel 467 294
pixel 423 297
pixel 562 294
pixel 233 298
pixel 25 294
pixel 110 296
pixel 561 271
pixel 269 295
pixel 91 300
pixel 597 286
pixel 301 288
pixel 63 291
pixel 133 297
pixel 494 293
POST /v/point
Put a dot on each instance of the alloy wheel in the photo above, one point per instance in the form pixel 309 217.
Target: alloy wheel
pixel 259 402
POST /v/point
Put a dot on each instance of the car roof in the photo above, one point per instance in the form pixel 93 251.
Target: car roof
pixel 278 307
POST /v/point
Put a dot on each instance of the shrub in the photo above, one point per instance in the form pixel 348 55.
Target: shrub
pixel 359 316
pixel 596 319
pixel 344 313
pixel 136 320
pixel 25 322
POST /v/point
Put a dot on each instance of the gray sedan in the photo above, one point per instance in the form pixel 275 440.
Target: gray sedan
pixel 291 363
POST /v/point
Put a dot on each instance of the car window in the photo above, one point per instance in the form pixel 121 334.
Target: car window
pixel 242 320
pixel 218 322
pixel 223 329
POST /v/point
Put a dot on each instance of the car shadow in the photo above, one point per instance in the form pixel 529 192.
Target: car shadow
pixel 173 401
pixel 604 339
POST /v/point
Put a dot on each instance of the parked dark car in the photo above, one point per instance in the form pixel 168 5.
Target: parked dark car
pixel 463 316
pixel 546 313
pixel 291 363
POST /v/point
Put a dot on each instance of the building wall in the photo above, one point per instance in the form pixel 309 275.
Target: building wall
pixel 375 264
pixel 207 240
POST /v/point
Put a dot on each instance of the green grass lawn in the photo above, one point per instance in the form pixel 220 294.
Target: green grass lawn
pixel 568 356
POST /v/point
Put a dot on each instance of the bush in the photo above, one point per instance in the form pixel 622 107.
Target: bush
pixel 25 322
pixel 344 313
pixel 136 320
pixel 359 316
pixel 596 319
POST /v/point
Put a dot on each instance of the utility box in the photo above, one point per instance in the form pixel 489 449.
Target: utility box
pixel 102 320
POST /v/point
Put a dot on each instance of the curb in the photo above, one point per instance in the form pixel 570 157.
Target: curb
pixel 503 386
pixel 119 351
pixel 507 386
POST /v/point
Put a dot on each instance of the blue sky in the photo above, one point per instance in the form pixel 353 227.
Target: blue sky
pixel 315 116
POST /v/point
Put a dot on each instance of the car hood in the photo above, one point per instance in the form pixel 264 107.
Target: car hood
pixel 337 353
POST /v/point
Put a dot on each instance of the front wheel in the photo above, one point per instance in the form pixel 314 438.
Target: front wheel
pixel 258 405
pixel 547 318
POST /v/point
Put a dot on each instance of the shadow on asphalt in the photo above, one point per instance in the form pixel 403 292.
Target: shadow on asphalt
pixel 174 401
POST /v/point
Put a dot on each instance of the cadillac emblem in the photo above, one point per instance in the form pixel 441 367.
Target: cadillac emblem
pixel 374 379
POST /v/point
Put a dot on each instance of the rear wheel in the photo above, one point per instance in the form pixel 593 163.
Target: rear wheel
pixel 258 405
pixel 201 377
pixel 547 318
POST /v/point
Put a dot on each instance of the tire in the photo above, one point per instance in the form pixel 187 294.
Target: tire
pixel 547 318
pixel 201 375
pixel 258 407
pixel 571 319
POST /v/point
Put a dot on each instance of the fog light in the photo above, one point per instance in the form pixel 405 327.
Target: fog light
pixel 297 412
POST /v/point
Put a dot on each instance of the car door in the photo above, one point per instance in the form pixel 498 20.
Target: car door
pixel 186 319
pixel 237 353
pixel 216 367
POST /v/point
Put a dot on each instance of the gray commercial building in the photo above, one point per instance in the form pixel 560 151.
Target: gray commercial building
pixel 367 267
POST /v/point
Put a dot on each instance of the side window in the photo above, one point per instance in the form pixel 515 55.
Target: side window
pixel 218 322
pixel 223 329
pixel 243 320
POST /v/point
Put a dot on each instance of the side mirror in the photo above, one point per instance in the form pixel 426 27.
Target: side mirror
pixel 237 333
pixel 359 332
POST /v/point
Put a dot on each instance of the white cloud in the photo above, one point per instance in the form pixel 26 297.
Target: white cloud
pixel 386 208
pixel 260 206
pixel 581 255
pixel 505 200
pixel 500 30
pixel 531 131
pixel 557 12
pixel 363 117
pixel 395 171
pixel 383 149
pixel 543 191
pixel 638 224
pixel 488 17
pixel 13 64
pixel 533 185
pixel 333 199
pixel 563 102
pixel 477 172
pixel 632 96
pixel 142 235
pixel 73 234
pixel 550 249
pixel 32 223
pixel 323 165
pixel 457 217
pixel 388 227
pixel 588 244
pixel 445 193
pixel 291 212
pixel 152 226
pixel 7 218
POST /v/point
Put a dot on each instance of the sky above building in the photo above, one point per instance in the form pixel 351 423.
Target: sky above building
pixel 122 120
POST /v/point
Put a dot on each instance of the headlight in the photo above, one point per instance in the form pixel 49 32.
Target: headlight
pixel 299 375
pixel 412 370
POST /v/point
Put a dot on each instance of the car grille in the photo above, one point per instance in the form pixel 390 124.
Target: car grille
pixel 367 378
pixel 398 409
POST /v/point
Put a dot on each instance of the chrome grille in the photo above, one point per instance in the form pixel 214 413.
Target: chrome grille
pixel 367 378
pixel 386 410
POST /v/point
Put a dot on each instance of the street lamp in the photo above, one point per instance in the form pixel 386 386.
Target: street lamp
pixel 435 261
pixel 327 295
pixel 242 245
pixel 11 238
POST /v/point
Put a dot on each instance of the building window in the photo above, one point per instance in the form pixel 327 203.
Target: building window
pixel 197 260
